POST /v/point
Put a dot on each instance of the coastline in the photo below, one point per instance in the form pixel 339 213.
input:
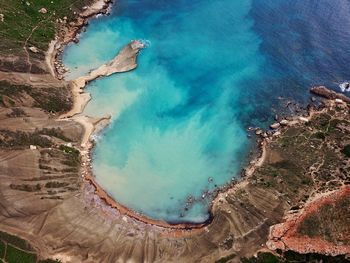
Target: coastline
pixel 123 63
pixel 68 33
pixel 92 126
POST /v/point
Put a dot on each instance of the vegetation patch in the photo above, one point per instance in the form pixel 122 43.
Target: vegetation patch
pixel 263 258
pixel 24 24
pixel 50 99
pixel 2 249
pixel 330 222
pixel 16 255
pixel 19 139
pixel 26 187
pixel 16 241
pixel 18 251
pixel 72 154
pixel 346 150
pixel 16 113
pixel 56 184
pixel 226 259
pixel 54 132
pixel 320 135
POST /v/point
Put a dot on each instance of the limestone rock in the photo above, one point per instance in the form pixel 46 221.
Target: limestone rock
pixel 339 101
pixel 34 49
pixel 258 132
pixel 303 119
pixel 1 17
pixel 284 122
pixel 275 125
pixel 43 10
pixel 136 44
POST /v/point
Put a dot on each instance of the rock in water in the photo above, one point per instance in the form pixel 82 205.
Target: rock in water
pixel 345 86
pixel 324 92
pixel 258 132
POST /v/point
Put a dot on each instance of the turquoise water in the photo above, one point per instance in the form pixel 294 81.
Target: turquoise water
pixel 210 70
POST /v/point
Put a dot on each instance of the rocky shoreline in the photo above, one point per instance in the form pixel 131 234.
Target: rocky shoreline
pixel 68 32
pixel 124 61
pixel 90 125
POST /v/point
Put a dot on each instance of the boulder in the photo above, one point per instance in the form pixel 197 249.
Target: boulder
pixel 34 49
pixel 284 122
pixel 43 10
pixel 275 125
pixel 339 101
pixel 303 119
pixel 258 132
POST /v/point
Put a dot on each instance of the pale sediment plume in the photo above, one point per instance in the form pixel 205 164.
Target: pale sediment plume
pixel 123 62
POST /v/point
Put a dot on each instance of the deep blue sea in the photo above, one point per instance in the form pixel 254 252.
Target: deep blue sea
pixel 210 70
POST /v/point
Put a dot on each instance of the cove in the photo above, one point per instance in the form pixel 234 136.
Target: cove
pixel 211 69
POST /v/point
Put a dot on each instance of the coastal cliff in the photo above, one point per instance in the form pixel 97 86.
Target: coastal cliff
pixel 44 199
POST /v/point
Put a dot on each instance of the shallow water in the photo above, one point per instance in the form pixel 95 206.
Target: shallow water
pixel 211 69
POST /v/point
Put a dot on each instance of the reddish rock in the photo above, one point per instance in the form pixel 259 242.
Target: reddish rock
pixel 285 236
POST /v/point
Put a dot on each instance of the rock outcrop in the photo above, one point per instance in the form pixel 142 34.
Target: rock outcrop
pixel 324 92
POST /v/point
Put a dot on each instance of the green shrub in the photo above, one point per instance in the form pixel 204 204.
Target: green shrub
pixel 14 240
pixel 14 255
pixel 2 249
pixel 346 150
